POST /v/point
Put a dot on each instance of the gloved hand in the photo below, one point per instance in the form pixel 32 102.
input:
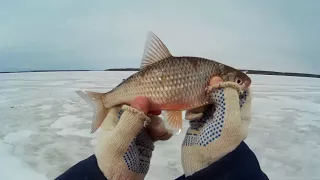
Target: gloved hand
pixel 219 129
pixel 124 145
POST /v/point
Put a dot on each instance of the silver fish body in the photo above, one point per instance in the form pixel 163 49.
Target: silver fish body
pixel 171 83
pixel 176 83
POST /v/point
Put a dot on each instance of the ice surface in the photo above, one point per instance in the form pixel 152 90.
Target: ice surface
pixel 45 125
pixel 13 168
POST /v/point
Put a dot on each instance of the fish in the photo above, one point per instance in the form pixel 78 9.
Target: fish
pixel 172 84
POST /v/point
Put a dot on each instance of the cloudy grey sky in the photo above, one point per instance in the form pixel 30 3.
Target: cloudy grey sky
pixel 99 34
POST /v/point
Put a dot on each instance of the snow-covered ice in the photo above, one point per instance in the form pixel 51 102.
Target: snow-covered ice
pixel 45 125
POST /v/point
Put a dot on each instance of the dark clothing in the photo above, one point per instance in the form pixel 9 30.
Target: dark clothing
pixel 86 169
pixel 240 164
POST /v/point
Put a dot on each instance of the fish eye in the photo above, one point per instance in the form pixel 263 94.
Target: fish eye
pixel 239 81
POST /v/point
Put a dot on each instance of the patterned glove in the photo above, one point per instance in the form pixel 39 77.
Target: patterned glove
pixel 218 130
pixel 124 147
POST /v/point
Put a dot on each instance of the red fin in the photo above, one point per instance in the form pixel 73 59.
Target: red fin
pixel 174 120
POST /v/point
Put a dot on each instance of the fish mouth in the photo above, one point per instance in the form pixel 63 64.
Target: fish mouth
pixel 247 83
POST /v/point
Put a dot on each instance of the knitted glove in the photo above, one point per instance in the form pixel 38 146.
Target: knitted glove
pixel 219 129
pixel 124 147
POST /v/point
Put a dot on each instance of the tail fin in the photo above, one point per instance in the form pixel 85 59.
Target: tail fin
pixel 99 111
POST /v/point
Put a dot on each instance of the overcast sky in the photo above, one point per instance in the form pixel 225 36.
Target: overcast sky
pixel 99 34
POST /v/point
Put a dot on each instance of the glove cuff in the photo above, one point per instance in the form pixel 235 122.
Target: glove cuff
pixel 227 85
pixel 136 112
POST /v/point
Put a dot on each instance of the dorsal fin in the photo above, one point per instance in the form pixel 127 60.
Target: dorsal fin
pixel 154 51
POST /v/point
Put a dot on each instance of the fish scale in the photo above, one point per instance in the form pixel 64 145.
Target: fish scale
pixel 174 81
pixel 170 83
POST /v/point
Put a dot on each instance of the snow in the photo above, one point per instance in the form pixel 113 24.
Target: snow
pixel 45 125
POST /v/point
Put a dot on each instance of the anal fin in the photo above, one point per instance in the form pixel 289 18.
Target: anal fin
pixel 174 120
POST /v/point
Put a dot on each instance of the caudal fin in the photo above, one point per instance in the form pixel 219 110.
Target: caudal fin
pixel 99 111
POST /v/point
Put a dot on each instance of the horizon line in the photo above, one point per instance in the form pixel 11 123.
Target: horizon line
pixel 248 71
